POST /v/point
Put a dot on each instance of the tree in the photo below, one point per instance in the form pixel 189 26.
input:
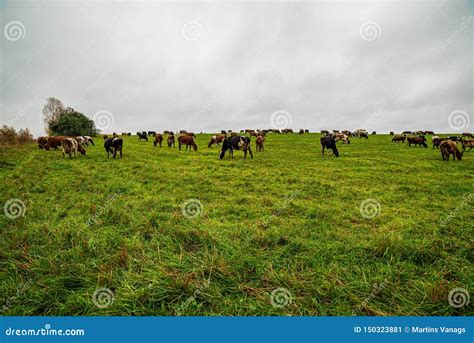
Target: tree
pixel 51 112
pixel 72 123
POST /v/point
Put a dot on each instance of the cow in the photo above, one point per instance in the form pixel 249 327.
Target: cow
pixel 42 141
pixel 170 140
pixel 448 148
pixel 420 140
pixel 399 138
pixel 301 132
pixel 324 132
pixel 216 139
pixel 342 137
pixel 70 146
pixel 54 142
pixel 236 143
pixel 158 139
pixel 188 141
pixel 112 146
pixel 436 141
pixel 329 142
pixel 259 143
pixel 467 134
pixel 431 133
pixel 391 133
pixel 374 132
pixel 467 144
pixel 455 138
pixel 141 136
pixel 223 132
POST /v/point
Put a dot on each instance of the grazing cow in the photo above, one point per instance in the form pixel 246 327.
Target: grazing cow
pixel 158 139
pixel 431 133
pixel 374 132
pixel 236 143
pixel 342 137
pixel 141 136
pixel 70 146
pixel 216 139
pixel 467 144
pixel 455 138
pixel 259 143
pixel 42 141
pixel 54 142
pixel 466 134
pixel 398 138
pixel 421 141
pixel 301 132
pixel 329 142
pixel 113 145
pixel 406 133
pixel 449 147
pixel 188 141
pixel 391 133
pixel 437 141
pixel 306 131
pixel 363 135
pixel 170 140
pixel 88 140
pixel 151 133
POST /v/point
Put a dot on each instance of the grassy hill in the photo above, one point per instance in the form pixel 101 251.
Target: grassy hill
pixel 385 229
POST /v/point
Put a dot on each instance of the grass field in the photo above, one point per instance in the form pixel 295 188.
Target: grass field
pixel 287 222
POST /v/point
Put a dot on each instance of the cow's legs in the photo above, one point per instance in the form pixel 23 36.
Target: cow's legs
pixel 250 152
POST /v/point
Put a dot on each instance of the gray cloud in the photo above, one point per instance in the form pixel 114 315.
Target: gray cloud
pixel 247 61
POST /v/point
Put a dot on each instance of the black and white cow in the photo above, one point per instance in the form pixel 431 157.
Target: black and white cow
pixel 112 145
pixel 329 142
pixel 236 143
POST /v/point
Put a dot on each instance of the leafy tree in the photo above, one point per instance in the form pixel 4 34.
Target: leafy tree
pixel 52 110
pixel 72 123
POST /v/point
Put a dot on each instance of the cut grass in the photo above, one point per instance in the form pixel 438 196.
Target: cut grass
pixel 286 219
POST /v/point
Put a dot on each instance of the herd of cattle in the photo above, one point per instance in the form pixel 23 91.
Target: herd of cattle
pixel 234 141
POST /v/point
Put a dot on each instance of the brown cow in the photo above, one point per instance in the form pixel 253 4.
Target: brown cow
pixel 70 146
pixel 449 147
pixel 259 143
pixel 216 139
pixel 42 141
pixel 188 140
pixel 437 141
pixel 421 141
pixel 158 139
pixel 54 142
pixel 398 138
pixel 170 140
pixel 467 144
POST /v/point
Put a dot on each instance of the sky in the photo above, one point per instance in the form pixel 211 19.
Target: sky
pixel 213 65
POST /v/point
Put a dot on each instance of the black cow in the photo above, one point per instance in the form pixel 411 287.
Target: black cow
pixel 237 143
pixel 112 145
pixel 142 135
pixel 329 142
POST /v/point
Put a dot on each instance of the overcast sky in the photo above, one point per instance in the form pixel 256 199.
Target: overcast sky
pixel 207 66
